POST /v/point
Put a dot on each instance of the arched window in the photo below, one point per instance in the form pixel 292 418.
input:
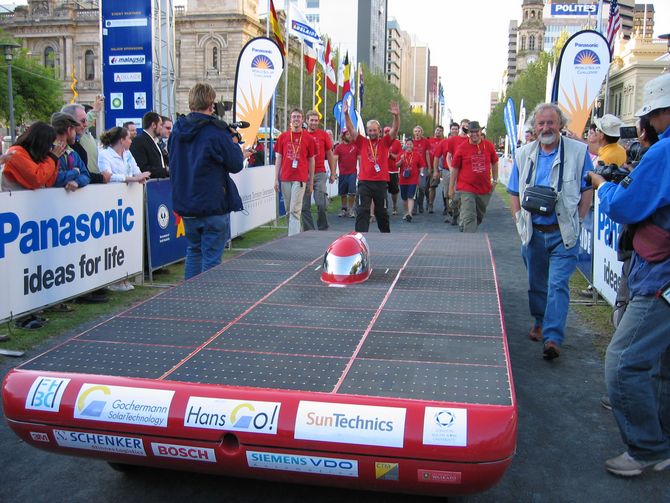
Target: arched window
pixel 532 14
pixel 49 57
pixel 212 57
pixel 525 15
pixel 215 58
pixel 523 42
pixel 531 43
pixel 89 65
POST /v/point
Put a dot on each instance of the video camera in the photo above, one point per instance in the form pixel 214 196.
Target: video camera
pixel 220 108
pixel 611 173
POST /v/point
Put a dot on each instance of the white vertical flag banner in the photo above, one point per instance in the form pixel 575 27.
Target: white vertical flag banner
pixel 581 71
pixel 259 68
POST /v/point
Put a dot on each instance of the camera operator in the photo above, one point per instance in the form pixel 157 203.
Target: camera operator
pixel 203 151
pixel 603 135
pixel 637 364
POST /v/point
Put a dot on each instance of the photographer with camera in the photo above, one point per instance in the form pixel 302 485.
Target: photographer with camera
pixel 604 135
pixel 549 199
pixel 203 152
pixel 637 364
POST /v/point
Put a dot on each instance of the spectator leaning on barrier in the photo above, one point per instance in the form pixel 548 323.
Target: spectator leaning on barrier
pixel 203 153
pixel 637 364
pixel 550 234
pixel 145 147
pixel 72 172
pixel 33 159
pixel 84 143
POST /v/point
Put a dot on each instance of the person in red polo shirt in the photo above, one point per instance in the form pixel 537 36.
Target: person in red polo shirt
pixel 472 167
pixel 324 150
pixel 453 142
pixel 421 148
pixel 433 174
pixel 294 168
pixel 346 159
pixel 373 176
pixel 409 166
pixel 394 155
pixel 440 165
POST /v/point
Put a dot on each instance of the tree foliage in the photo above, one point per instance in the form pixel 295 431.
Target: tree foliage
pixel 36 92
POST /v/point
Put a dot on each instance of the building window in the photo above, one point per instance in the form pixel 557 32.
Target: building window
pixel 523 42
pixel 313 18
pixel 531 43
pixel 89 65
pixel 49 57
pixel 312 4
pixel 212 57
pixel 532 14
pixel 525 15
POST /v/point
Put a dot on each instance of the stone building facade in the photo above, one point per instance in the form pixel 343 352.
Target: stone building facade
pixel 65 35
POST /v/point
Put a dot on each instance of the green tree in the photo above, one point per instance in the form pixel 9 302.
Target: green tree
pixel 36 92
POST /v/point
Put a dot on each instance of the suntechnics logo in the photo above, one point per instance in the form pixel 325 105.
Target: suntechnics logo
pixel 350 424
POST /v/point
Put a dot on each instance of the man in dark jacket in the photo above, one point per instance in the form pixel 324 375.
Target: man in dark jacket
pixel 203 152
pixel 145 149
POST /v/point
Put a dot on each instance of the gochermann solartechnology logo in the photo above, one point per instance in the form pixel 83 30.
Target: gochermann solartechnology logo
pixel 120 404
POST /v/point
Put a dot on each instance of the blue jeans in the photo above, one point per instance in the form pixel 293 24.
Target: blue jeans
pixel 550 266
pixel 206 237
pixel 637 372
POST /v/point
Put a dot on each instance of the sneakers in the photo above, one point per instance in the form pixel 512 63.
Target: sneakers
pixel 551 351
pixel 352 213
pixel 430 208
pixel 408 218
pixel 342 213
pixel 626 466
pixel 535 333
pixel 605 402
pixel 121 286
pixel 395 211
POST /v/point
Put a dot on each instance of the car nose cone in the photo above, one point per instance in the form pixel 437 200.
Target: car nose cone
pixel 347 261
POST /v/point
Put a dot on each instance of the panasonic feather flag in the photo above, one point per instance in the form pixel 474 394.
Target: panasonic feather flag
pixel 581 71
pixel 259 68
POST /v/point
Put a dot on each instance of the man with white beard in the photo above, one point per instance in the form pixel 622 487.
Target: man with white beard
pixel 550 235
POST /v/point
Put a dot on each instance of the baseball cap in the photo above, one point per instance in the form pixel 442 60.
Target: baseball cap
pixel 609 124
pixel 60 120
pixel 656 95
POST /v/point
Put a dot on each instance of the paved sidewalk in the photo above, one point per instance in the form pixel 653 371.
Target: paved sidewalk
pixel 563 439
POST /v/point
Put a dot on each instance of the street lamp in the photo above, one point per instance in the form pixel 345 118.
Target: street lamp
pixel 8 50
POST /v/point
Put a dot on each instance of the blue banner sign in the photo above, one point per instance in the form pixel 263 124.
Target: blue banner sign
pixel 573 9
pixel 165 230
pixel 126 60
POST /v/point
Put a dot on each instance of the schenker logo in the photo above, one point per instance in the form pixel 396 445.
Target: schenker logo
pixel 350 424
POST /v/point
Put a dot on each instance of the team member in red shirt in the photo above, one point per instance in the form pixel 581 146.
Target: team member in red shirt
pixel 409 165
pixel 324 150
pixel 373 175
pixel 394 154
pixel 421 149
pixel 440 165
pixel 294 168
pixel 472 167
pixel 433 175
pixel 452 145
pixel 346 158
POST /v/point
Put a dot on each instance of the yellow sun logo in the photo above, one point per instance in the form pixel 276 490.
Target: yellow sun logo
pixel 262 62
pixel 587 57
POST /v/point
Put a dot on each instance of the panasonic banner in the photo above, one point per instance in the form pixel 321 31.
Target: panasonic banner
pixel 606 267
pixel 581 71
pixel 126 60
pixel 56 244
pixel 259 68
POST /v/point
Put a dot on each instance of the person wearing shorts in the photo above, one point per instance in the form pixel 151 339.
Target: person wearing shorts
pixel 394 154
pixel 409 166
pixel 346 158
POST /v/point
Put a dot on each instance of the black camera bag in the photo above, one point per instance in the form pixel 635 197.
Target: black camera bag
pixel 541 199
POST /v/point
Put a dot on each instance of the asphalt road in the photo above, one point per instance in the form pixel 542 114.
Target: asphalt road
pixel 564 434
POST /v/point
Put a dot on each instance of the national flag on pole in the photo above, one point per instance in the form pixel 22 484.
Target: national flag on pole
pixel 301 28
pixel 274 22
pixel 329 69
pixel 614 24
pixel 310 57
pixel 344 75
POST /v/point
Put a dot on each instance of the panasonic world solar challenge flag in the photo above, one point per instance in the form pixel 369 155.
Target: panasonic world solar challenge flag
pixel 582 68
pixel 259 68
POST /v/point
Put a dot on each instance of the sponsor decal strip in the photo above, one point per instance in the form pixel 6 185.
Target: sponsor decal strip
pixel 304 464
pixel 99 442
pixel 184 452
pixel 232 415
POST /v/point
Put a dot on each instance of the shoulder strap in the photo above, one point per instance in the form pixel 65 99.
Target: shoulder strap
pixel 561 159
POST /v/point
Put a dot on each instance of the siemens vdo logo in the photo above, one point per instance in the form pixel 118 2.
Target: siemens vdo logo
pixel 37 235
pixel 350 424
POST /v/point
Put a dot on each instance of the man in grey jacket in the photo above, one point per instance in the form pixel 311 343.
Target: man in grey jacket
pixel 550 242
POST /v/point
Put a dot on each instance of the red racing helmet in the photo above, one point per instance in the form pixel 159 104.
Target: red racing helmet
pixel 347 261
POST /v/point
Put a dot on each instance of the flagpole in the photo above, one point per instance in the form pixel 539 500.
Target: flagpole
pixel 314 87
pixel 268 142
pixel 287 72
pixel 302 68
